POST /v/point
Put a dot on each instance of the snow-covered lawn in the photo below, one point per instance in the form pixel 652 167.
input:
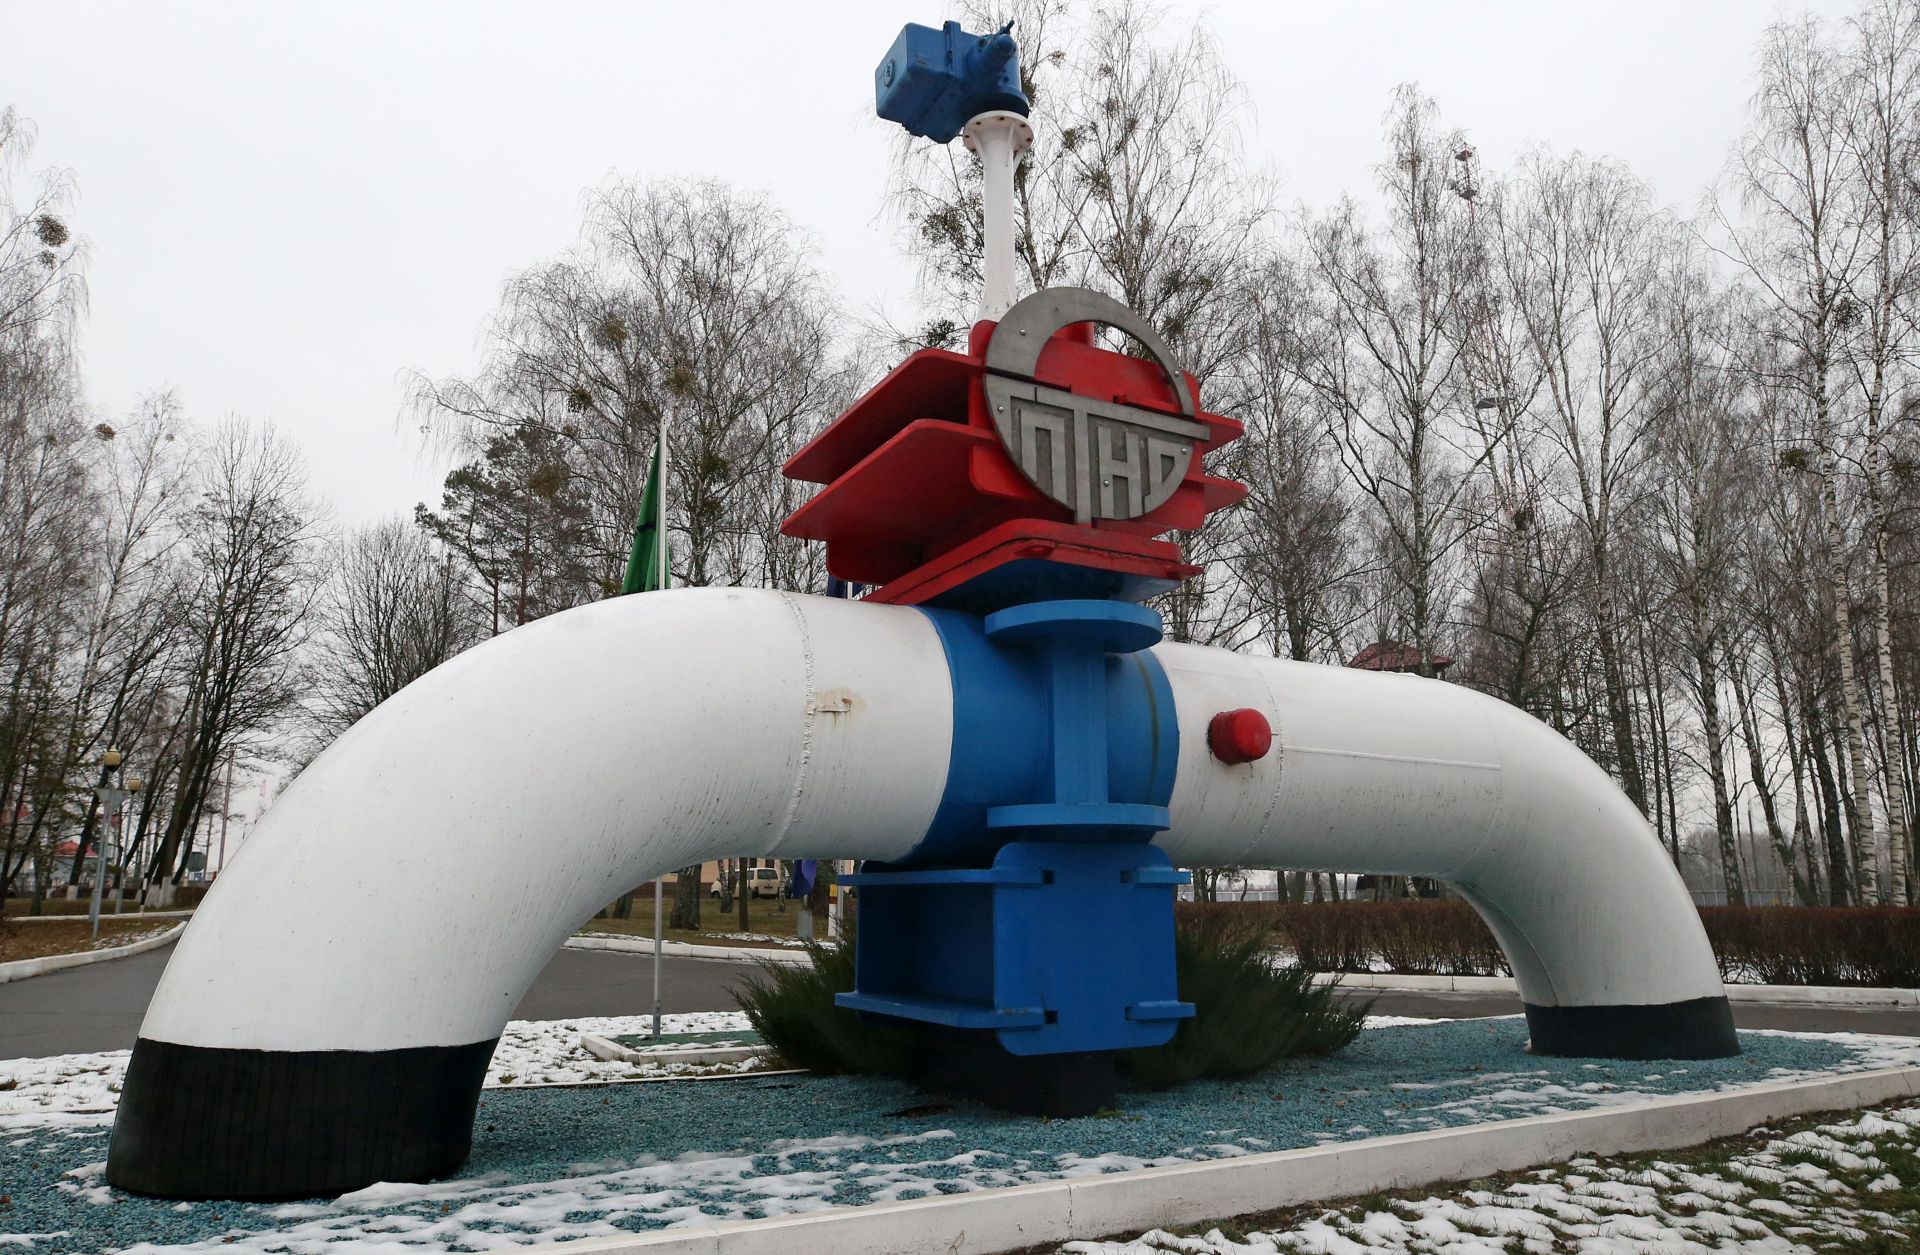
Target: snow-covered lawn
pixel 531 1052
pixel 1818 1184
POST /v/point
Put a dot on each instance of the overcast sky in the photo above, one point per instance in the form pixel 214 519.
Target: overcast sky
pixel 287 207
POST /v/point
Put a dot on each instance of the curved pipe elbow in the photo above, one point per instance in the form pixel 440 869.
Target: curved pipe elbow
pixel 446 846
pixel 473 821
pixel 1397 775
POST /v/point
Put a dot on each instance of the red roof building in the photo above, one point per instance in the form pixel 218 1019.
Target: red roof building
pixel 1396 656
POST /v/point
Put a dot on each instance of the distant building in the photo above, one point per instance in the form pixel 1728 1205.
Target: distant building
pixel 1397 656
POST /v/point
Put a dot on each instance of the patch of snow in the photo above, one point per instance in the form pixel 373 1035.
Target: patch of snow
pixel 531 1052
pixel 1597 1208
pixel 743 939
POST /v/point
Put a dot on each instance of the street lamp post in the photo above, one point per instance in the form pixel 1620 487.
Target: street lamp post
pixel 112 798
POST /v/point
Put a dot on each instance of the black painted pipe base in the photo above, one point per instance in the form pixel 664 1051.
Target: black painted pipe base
pixel 204 1122
pixel 972 1064
pixel 1699 1029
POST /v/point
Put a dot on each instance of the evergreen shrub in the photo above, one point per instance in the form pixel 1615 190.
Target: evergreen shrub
pixel 791 1006
pixel 1250 1013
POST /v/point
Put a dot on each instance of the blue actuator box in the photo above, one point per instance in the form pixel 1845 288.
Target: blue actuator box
pixel 931 81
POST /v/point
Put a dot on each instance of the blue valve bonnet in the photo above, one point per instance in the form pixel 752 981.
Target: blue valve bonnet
pixel 932 81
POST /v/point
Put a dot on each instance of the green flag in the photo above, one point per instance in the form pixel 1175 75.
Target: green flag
pixel 643 563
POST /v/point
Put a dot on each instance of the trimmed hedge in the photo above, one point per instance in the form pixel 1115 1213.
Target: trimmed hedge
pixel 1816 945
pixel 1428 938
pixel 1769 945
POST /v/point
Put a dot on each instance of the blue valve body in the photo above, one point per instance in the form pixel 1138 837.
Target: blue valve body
pixel 1036 908
pixel 932 81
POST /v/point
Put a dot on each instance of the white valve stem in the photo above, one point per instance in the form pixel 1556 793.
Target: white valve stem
pixel 999 136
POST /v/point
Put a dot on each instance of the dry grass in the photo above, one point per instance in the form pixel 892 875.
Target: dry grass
pixel 64 936
pixel 764 915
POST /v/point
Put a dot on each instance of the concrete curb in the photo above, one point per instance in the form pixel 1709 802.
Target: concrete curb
pixel 611 1051
pixel 21 969
pixel 610 1082
pixel 1826 995
pixel 1811 995
pixel 105 914
pixel 1129 1202
pixel 688 950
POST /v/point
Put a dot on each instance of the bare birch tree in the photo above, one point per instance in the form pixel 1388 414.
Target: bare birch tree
pixel 393 610
pixel 1385 356
pixel 1798 243
pixel 1883 147
pixel 1704 491
pixel 250 532
pixel 685 303
pixel 1581 246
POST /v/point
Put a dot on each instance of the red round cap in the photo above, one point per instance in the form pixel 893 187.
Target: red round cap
pixel 1239 736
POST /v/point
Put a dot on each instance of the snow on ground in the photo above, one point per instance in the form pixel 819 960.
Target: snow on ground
pixel 1823 1187
pixel 547 1052
pixel 738 939
pixel 130 936
pixel 1396 1021
pixel 531 1052
pixel 763 939
pixel 563 1163
pixel 57 1083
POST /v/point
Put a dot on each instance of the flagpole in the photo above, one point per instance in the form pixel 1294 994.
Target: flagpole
pixel 660 527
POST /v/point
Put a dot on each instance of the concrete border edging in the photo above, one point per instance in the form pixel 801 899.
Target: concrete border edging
pixel 605 1048
pixel 1813 995
pixel 990 1221
pixel 21 969
pixel 1826 995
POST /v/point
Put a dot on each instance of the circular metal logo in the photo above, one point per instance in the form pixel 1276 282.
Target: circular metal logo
pixel 1099 458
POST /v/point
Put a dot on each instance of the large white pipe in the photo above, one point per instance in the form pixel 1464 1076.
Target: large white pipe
pixel 444 848
pixel 1399 775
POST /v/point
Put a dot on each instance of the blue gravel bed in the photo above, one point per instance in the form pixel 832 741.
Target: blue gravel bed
pixel 597 1161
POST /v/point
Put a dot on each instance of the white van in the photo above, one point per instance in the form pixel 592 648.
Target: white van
pixel 762 882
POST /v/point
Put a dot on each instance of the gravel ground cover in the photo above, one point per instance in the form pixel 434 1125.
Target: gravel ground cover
pixel 1816 1184
pixel 566 1163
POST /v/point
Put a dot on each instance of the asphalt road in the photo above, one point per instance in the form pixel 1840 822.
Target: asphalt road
pixel 99 1007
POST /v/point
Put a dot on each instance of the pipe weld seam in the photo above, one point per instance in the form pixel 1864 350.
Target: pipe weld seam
pixel 808 721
